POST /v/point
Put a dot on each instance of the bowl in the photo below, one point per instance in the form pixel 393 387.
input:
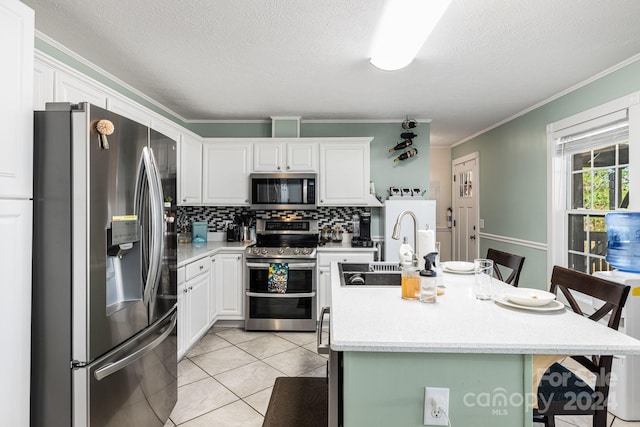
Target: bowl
pixel 529 297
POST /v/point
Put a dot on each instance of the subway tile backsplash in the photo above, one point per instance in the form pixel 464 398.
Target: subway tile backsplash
pixel 217 216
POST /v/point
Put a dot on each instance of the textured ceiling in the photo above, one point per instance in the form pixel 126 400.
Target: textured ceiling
pixel 250 59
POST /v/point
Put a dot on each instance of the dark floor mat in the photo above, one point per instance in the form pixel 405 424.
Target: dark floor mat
pixel 297 402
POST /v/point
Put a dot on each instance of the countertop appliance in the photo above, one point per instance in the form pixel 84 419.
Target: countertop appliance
pixel 425 211
pixel 364 238
pixel 282 242
pixel 283 191
pixel 104 271
pixel 624 393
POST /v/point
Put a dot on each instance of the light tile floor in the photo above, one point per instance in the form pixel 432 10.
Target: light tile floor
pixel 227 378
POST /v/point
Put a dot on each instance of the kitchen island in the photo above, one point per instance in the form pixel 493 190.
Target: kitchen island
pixel 480 350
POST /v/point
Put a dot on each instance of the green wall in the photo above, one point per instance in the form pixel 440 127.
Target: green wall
pixel 413 172
pixel 513 167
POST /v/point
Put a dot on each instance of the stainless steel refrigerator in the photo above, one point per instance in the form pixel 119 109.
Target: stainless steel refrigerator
pixel 104 270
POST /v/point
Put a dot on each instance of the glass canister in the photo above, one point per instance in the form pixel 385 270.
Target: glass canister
pixel 410 281
pixel 623 240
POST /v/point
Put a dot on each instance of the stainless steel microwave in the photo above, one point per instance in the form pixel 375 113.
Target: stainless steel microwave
pixel 283 191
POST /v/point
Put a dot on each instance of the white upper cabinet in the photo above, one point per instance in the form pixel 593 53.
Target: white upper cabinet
pixel 128 109
pixel 226 168
pixel 16 100
pixel 190 172
pixel 71 89
pixel 280 156
pixel 344 172
pixel 43 76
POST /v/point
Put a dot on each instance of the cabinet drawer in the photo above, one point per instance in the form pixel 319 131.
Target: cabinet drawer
pixel 197 268
pixel 182 275
pixel 325 259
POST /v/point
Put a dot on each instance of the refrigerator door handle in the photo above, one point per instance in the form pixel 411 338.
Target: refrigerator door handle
pixel 158 224
pixel 148 175
pixel 111 368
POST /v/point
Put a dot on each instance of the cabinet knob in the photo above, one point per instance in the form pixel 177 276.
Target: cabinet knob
pixel 278 167
pixel 190 288
pixel 238 258
pixel 184 200
pixel 201 267
pixel 288 167
pixel 185 290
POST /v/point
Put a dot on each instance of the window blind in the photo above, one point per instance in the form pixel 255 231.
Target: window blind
pixel 606 130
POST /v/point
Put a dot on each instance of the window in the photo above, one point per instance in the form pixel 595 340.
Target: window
pixel 590 165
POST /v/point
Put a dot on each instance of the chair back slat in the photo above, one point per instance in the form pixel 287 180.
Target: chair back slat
pixel 613 295
pixel 511 261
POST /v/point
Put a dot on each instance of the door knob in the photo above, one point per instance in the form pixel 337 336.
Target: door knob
pixel 472 237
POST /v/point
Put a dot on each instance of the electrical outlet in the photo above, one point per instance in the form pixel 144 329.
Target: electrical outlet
pixel 436 406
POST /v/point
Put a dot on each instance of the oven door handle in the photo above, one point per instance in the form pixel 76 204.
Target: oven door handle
pixel 292 266
pixel 279 295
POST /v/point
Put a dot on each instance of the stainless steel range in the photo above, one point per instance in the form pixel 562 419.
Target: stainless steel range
pixel 282 244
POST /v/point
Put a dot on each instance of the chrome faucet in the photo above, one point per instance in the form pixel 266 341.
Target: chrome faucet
pixel 396 232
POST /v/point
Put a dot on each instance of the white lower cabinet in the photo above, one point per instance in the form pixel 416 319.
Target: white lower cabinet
pixel 324 270
pixel 229 286
pixel 193 304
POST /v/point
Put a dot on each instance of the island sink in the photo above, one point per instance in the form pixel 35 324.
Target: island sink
pixel 369 274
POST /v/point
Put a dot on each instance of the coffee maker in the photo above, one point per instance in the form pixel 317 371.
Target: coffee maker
pixel 364 239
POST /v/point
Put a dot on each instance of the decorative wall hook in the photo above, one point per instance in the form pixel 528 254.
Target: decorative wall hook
pixel 104 128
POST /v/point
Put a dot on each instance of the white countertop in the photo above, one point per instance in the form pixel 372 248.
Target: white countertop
pixel 378 320
pixel 189 252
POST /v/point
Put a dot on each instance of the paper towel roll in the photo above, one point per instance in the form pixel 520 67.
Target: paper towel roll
pixel 426 245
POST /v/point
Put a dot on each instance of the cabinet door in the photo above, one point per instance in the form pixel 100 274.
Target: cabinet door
pixel 302 157
pixel 42 85
pixel 229 286
pixel 199 308
pixel 324 288
pixel 16 100
pixel 129 110
pixel 190 173
pixel 183 320
pixel 15 265
pixel 213 296
pixel 267 157
pixel 71 89
pixel 344 174
pixel 226 173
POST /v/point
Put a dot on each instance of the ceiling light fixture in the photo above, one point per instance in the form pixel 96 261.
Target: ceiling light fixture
pixel 403 29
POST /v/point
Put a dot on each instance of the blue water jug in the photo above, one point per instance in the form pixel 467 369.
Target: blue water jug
pixel 623 240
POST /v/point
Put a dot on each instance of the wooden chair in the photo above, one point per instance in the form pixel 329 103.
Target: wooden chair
pixel 505 259
pixel 572 395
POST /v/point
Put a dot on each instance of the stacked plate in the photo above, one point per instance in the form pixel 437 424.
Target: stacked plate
pixel 530 299
pixel 458 267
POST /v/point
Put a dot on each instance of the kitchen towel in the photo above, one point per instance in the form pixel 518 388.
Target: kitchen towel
pixel 426 244
pixel 278 275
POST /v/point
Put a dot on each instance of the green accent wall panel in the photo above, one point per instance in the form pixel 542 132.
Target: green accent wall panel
pixel 285 128
pixel 387 389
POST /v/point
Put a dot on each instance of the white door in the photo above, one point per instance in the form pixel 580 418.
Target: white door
pixel 465 207
pixel 226 169
pixel 229 286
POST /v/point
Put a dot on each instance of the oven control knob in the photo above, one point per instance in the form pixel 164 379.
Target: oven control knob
pixel 256 251
pixel 264 251
pixel 296 251
pixel 280 251
pixel 305 251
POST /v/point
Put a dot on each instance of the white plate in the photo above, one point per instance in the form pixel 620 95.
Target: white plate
pixel 446 270
pixel 459 266
pixel 552 306
pixel 530 297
